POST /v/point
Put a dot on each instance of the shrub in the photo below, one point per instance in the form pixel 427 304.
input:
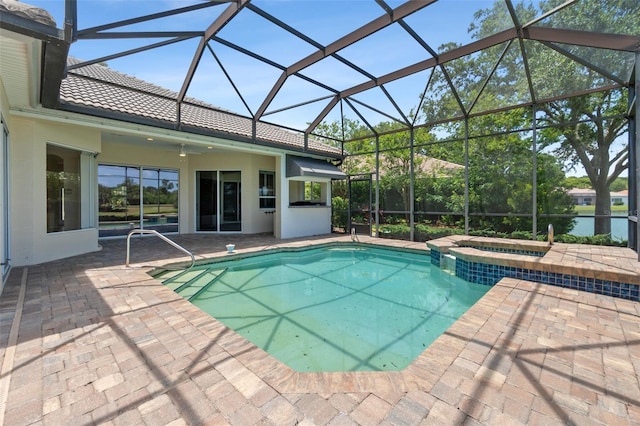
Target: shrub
pixel 521 235
pixel 598 240
pixel 425 232
pixel 339 212
pixel 422 232
pixel 398 232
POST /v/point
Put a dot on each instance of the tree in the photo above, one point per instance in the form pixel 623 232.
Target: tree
pixel 578 182
pixel 394 159
pixel 573 131
pixel 590 143
pixel 580 130
pixel 500 175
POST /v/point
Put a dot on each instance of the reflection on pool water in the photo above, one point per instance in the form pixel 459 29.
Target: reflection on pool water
pixel 347 308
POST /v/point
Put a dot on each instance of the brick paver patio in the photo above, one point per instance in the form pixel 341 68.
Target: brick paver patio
pixel 87 341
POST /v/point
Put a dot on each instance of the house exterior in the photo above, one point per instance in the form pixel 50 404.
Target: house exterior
pixel 620 198
pixel 583 196
pixel 587 197
pixel 109 158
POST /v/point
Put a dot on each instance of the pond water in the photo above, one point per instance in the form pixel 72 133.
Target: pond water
pixel 584 227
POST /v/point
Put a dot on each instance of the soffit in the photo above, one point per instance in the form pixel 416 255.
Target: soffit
pixel 18 67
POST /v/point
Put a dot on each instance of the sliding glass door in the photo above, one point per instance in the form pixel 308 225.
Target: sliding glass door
pixel 160 200
pixel 218 206
pixel 137 197
pixel 231 212
pixel 206 201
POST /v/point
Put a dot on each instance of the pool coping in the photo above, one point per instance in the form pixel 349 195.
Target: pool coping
pixel 559 258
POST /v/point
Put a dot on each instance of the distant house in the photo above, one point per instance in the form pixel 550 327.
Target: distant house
pixel 587 197
pixel 423 165
pixel 620 198
pixel 583 197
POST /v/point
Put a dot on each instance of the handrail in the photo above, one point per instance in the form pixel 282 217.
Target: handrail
pixel 162 237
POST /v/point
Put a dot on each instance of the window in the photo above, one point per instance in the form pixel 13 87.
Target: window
pixel 308 193
pixel 63 189
pixel 267 190
pixel 125 204
pixel 160 199
pixel 312 191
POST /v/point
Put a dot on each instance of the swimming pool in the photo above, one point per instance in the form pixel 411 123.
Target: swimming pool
pixel 337 308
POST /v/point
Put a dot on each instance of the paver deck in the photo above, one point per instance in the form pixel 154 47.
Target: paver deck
pixel 86 340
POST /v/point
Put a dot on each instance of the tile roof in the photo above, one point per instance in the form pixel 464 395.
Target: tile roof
pixel 27 11
pixel 98 86
pixel 422 164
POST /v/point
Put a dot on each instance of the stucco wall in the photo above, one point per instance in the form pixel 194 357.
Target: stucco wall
pixel 31 244
pixel 254 220
pixel 301 221
pixel 306 221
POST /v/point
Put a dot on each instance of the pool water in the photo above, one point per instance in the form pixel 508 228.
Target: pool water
pixel 346 308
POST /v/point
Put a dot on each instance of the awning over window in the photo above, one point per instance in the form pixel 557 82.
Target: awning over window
pixel 310 167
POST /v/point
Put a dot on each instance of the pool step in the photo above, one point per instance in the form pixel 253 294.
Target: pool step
pixel 201 288
pixel 195 286
pixel 182 278
pixel 165 274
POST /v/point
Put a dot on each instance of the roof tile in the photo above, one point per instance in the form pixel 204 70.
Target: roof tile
pixel 98 86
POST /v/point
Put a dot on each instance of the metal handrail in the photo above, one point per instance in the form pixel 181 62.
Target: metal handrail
pixel 162 237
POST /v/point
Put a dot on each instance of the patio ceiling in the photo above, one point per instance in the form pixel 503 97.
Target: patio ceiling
pixel 299 63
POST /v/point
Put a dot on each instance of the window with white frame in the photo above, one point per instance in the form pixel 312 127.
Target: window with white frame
pixel 267 190
pixel 308 193
pixel 69 189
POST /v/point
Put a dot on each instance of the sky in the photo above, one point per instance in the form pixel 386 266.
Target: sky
pixel 324 21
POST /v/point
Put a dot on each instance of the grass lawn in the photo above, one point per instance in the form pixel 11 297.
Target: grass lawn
pixel 590 210
pixel 134 211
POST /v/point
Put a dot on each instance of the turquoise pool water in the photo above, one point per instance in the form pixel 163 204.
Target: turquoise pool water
pixel 344 308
